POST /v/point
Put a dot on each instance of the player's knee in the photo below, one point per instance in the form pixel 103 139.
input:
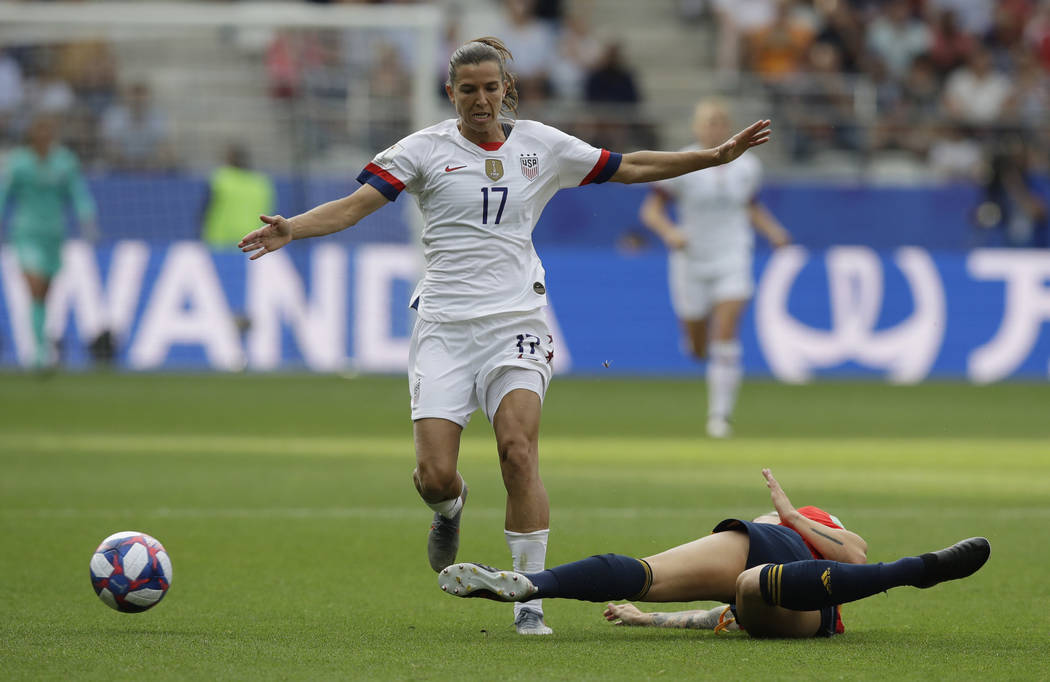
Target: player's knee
pixel 748 586
pixel 435 482
pixel 517 456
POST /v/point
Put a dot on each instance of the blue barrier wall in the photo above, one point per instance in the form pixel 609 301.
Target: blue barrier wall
pixel 901 315
pixel 818 215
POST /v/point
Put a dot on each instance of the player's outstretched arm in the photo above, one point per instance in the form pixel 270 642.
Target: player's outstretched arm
pixel 652 166
pixel 836 544
pixel 320 220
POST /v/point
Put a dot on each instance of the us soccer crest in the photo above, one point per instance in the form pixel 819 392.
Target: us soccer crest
pixel 494 169
pixel 530 166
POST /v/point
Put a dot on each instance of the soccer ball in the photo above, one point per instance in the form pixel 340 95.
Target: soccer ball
pixel 130 571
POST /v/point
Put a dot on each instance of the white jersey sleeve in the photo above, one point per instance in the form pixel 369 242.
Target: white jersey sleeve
pixel 578 162
pixel 398 167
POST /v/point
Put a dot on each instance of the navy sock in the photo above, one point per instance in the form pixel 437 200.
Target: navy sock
pixel 601 577
pixel 817 584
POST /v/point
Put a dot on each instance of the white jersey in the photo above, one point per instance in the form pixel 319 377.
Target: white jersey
pixel 480 205
pixel 712 209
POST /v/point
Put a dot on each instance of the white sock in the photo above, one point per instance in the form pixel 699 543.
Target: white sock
pixel 528 553
pixel 450 507
pixel 724 373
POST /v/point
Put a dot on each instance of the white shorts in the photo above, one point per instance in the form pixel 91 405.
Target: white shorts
pixel 695 292
pixel 455 368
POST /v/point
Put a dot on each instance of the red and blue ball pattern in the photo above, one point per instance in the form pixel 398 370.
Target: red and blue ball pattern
pixel 130 571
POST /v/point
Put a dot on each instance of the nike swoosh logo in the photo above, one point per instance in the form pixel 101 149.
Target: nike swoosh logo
pixel 449 170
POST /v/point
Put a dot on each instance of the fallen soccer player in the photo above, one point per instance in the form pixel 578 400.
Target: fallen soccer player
pixel 782 575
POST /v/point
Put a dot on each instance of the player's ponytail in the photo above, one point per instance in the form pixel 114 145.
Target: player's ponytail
pixel 487 49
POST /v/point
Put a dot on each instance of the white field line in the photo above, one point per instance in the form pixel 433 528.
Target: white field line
pixel 702 515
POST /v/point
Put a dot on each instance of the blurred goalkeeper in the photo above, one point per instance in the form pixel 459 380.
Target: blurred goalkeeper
pixel 42 178
pixel 782 575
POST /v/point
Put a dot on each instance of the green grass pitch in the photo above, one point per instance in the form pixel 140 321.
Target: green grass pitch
pixel 299 543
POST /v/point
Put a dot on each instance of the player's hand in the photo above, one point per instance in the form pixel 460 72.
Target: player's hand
pixel 675 239
pixel 273 235
pixel 780 499
pixel 752 136
pixel 625 614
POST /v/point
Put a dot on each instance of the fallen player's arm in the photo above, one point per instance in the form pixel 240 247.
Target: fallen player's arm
pixel 836 544
pixel 629 614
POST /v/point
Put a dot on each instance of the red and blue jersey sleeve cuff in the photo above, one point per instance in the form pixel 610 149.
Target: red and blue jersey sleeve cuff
pixel 605 168
pixel 389 186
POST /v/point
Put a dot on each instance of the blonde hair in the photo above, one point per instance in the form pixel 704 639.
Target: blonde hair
pixel 712 104
pixel 487 49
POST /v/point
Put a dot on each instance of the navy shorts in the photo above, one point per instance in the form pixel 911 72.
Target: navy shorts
pixel 773 544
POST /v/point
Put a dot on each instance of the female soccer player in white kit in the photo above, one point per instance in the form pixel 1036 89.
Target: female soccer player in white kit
pixel 709 268
pixel 481 340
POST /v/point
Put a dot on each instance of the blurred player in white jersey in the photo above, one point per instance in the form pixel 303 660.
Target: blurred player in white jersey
pixel 481 340
pixel 709 268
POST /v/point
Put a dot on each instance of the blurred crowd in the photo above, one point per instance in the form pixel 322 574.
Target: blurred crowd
pixel 940 80
pixel 567 74
pixel 108 124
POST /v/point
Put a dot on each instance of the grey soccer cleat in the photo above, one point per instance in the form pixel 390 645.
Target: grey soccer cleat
pixel 478 580
pixel 530 622
pixel 443 538
pixel 960 560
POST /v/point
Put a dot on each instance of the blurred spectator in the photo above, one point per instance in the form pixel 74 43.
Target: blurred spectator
pixel 896 37
pixel 1005 40
pixel 843 30
pixel 550 11
pixel 819 105
pixel 237 196
pixel 951 47
pixel 974 16
pixel 283 64
pixel 780 49
pixel 11 94
pixel 1031 100
pixel 46 91
pixel 1037 33
pixel 91 70
pixel 322 71
pixel 975 93
pixel 135 133
pixel 451 39
pixel 1011 207
pixel 921 91
pixel 612 80
pixel 737 20
pixel 955 154
pixel 579 52
pixel 612 83
pixel 388 114
pixel 909 111
pixel 533 44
